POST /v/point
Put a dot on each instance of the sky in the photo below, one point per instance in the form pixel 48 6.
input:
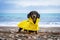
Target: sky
pixel 25 6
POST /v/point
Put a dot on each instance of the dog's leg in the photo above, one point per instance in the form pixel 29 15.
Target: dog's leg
pixel 19 30
pixel 35 32
pixel 25 30
pixel 30 31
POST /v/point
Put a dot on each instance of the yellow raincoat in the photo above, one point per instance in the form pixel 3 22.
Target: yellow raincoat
pixel 29 25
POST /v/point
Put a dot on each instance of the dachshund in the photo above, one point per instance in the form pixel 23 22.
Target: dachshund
pixel 33 15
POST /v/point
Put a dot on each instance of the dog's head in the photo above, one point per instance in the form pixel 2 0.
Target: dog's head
pixel 34 15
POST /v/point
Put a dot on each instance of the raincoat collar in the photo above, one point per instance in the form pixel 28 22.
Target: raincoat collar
pixel 31 21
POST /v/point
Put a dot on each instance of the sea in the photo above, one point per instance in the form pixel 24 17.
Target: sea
pixel 12 19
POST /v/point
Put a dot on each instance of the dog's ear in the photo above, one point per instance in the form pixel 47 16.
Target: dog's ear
pixel 38 16
pixel 28 15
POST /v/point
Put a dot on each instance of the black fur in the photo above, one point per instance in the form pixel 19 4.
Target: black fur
pixel 34 15
pixel 33 12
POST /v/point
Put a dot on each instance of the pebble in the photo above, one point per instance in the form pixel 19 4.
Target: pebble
pixel 11 35
pixel 50 39
pixel 20 36
pixel 34 37
pixel 18 39
pixel 44 36
pixel 29 37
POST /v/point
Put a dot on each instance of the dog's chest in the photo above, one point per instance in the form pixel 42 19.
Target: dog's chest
pixel 31 24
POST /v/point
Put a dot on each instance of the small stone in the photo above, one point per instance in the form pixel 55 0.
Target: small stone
pixel 3 39
pixel 9 39
pixel 17 35
pixel 44 36
pixel 34 37
pixel 38 39
pixel 50 39
pixel 17 39
pixel 11 35
pixel 12 30
pixel 4 36
pixel 29 37
pixel 58 39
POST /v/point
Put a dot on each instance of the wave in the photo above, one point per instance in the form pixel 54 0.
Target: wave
pixel 41 24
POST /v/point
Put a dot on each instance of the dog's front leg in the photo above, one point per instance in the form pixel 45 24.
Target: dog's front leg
pixel 35 32
pixel 19 30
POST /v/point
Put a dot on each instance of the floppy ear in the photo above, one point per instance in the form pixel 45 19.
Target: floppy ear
pixel 28 15
pixel 38 16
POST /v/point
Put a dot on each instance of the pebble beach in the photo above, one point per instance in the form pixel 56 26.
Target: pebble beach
pixel 9 33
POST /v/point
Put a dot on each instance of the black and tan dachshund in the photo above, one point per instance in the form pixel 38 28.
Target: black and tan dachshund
pixel 33 15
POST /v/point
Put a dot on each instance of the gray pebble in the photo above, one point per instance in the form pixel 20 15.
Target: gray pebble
pixel 50 39
pixel 34 37
pixel 11 35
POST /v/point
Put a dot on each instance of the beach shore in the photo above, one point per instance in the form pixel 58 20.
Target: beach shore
pixel 9 33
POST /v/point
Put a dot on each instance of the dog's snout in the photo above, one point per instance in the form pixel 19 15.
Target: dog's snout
pixel 34 16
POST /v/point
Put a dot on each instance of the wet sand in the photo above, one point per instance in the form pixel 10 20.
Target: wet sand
pixel 9 33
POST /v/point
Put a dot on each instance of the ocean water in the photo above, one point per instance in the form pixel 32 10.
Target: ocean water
pixel 14 18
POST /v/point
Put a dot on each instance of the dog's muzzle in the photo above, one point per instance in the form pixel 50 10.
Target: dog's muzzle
pixel 34 18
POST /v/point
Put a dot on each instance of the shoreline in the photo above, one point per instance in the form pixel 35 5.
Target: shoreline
pixel 42 29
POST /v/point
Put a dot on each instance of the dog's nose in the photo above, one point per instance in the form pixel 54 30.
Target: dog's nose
pixel 34 16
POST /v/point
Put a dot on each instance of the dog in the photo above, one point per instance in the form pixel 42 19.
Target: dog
pixel 32 16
